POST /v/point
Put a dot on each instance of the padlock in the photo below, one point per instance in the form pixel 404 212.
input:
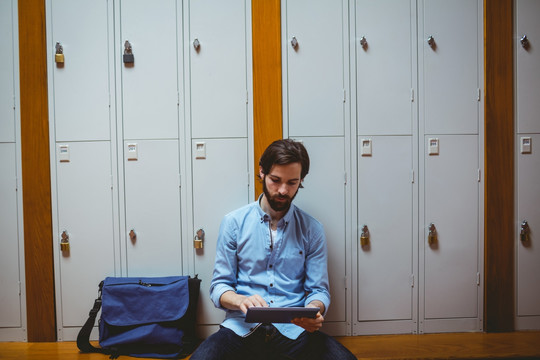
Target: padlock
pixel 432 235
pixel 64 243
pixel 198 240
pixel 364 237
pixel 128 54
pixel 59 55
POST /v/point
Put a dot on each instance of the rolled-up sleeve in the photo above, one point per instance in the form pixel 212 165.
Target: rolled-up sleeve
pixel 224 278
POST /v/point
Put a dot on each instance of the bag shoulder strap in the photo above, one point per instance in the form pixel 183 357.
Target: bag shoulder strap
pixel 83 338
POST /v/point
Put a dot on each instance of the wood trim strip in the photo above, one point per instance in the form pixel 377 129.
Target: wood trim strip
pixel 267 102
pixel 36 179
pixel 499 164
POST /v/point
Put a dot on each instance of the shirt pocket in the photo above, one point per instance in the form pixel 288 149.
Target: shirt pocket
pixel 293 263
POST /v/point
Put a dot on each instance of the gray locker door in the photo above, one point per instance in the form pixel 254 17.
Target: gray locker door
pixel 315 85
pixel 150 90
pixel 220 185
pixel 7 89
pixel 10 313
pixel 323 197
pixel 528 251
pixel 81 84
pixel 152 199
pixel 85 214
pixel 451 193
pixel 385 267
pixel 385 66
pixel 450 66
pixel 218 68
pixel 527 60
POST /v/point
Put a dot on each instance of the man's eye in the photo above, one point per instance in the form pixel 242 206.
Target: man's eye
pixel 275 180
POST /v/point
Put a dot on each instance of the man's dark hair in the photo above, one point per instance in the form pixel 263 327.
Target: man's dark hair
pixel 284 152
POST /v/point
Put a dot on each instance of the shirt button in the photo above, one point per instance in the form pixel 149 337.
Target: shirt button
pixel 271 285
pixel 271 266
pixel 271 301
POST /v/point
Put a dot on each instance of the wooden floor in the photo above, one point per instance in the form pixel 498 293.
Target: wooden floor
pixel 515 345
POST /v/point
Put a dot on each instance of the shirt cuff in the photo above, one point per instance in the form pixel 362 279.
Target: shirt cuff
pixel 217 291
pixel 322 298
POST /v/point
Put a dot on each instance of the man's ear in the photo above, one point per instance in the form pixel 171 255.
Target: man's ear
pixel 261 174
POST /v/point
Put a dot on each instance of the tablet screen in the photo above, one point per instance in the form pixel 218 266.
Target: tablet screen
pixel 279 314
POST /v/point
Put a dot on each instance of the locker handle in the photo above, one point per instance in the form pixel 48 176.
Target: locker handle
pixel 196 44
pixel 432 235
pixel 524 42
pixel 524 231
pixel 133 235
pixel 431 42
pixel 363 42
pixel 294 42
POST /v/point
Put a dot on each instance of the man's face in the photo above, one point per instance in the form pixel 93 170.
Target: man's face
pixel 281 184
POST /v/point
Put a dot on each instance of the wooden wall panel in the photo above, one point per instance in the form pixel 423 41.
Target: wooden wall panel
pixel 267 102
pixel 36 172
pixel 499 164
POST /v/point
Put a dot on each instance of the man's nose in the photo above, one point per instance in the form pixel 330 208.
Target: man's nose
pixel 283 189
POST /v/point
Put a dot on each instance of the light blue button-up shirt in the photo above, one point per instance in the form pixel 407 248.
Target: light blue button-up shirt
pixel 289 269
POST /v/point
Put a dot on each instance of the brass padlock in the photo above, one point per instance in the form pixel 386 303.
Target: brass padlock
pixel 432 235
pixel 524 231
pixel 128 53
pixel 364 236
pixel 59 55
pixel 199 238
pixel 64 243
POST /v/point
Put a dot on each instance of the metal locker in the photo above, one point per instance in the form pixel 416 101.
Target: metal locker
pixel 150 85
pixel 7 73
pixel 217 190
pixel 449 44
pixel 82 81
pixel 385 266
pixel 152 208
pixel 450 247
pixel 217 44
pixel 528 228
pixel 385 66
pixel 315 58
pixel 10 313
pixel 84 233
pixel 324 198
pixel 527 60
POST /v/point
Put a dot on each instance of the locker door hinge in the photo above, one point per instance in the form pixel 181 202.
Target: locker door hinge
pixel 344 95
pixel 412 176
pixel 247 97
pixel 345 280
pixel 478 94
pixel 14 102
pixel 110 100
pixel 20 290
pixel 179 180
pixel 345 178
pixel 479 175
pixel 112 184
pixel 178 98
pixel 248 176
pixel 411 280
pixel 412 95
pixel 477 278
pixel 16 184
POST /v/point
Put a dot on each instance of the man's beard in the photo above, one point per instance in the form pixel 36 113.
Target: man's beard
pixel 272 200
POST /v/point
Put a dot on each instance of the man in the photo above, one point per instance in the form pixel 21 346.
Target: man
pixel 271 253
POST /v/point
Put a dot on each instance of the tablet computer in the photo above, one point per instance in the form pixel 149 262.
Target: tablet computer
pixel 279 314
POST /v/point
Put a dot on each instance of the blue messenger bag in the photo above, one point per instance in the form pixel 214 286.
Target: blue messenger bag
pixel 144 317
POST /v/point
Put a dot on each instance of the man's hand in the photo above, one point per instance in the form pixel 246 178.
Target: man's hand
pixel 233 301
pixel 309 324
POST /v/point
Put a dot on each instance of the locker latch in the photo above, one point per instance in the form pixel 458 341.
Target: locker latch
pixel 128 53
pixel 133 235
pixel 294 42
pixel 364 236
pixel 431 42
pixel 524 231
pixel 524 42
pixel 363 42
pixel 59 55
pixel 64 242
pixel 432 235
pixel 196 44
pixel 199 238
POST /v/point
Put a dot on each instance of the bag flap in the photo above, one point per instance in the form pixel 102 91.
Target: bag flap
pixel 134 301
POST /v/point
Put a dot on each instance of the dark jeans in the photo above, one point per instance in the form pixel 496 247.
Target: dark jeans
pixel 268 343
